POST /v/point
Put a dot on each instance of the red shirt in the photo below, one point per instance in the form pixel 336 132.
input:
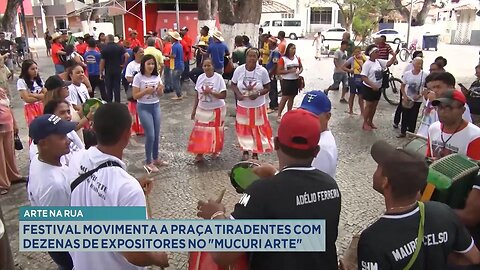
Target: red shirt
pixel 167 51
pixel 134 42
pixel 55 48
pixel 187 44
pixel 82 48
pixel 282 47
pixel 159 44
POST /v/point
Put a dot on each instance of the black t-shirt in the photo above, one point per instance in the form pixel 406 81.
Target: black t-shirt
pixel 390 242
pixel 282 197
pixel 5 46
pixel 473 97
pixel 113 54
pixel 475 231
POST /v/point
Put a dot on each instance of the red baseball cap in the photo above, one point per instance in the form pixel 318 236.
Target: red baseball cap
pixel 299 129
pixel 449 96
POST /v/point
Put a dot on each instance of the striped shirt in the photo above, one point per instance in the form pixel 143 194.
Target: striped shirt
pixel 384 51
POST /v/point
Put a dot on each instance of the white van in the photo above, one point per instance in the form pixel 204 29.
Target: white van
pixel 293 28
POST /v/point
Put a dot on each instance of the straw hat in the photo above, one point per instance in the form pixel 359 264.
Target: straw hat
pixel 175 35
pixel 202 43
pixel 218 35
pixel 56 35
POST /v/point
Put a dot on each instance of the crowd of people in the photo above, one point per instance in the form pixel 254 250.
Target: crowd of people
pixel 68 145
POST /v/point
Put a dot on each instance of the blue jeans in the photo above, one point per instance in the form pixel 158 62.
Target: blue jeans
pixel 168 79
pixel 149 115
pixel 176 74
pixel 59 68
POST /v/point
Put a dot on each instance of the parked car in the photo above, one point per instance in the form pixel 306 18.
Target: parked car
pixel 392 35
pixel 293 28
pixel 333 34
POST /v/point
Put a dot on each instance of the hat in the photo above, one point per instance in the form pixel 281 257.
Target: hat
pixel 299 130
pixel 202 43
pixel 218 35
pixel 449 97
pixel 316 102
pixel 175 35
pixel 399 165
pixel 56 35
pixel 48 124
pixel 54 82
pixel 273 39
pixel 184 29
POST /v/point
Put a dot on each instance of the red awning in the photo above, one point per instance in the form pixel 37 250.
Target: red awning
pixel 27 4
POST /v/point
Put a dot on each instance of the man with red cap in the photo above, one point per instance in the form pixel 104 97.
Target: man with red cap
pixel 296 146
pixel 452 134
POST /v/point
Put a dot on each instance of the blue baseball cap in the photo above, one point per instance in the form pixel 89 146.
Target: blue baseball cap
pixel 48 124
pixel 316 102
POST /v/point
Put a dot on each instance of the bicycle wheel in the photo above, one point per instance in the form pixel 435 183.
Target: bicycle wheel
pixel 404 54
pixel 392 93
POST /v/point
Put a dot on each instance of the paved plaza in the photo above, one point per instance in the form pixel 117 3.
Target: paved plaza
pixel 180 185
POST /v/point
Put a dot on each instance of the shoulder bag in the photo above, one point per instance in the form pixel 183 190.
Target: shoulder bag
pixel 82 177
pixel 421 228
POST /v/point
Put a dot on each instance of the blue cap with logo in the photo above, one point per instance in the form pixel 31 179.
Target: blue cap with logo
pixel 316 102
pixel 48 124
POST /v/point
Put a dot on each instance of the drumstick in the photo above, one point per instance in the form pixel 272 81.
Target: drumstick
pixel 220 197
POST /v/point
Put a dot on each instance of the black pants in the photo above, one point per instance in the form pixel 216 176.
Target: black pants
pixel 62 259
pixel 409 118
pixel 273 94
pixel 95 81
pixel 398 111
pixel 112 84
pixel 186 70
pixel 125 84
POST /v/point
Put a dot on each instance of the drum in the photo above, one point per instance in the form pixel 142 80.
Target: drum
pixel 242 175
pixel 91 104
pixel 450 180
pixel 417 146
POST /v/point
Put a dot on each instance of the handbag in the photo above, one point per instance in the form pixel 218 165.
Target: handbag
pixel 228 68
pixel 301 83
pixel 17 143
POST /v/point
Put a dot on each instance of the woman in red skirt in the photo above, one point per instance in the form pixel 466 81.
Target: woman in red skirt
pixel 132 69
pixel 209 114
pixel 251 83
pixel 31 90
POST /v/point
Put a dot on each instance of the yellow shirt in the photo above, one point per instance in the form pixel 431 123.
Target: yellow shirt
pixel 265 53
pixel 204 39
pixel 358 63
pixel 156 53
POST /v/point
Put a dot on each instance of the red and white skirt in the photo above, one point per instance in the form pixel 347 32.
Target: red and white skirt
pixel 253 129
pixel 137 128
pixel 32 110
pixel 207 136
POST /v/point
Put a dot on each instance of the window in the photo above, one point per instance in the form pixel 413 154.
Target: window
pixel 321 15
pixel 287 16
pixel 276 23
pixel 267 23
pixel 61 24
pixel 292 23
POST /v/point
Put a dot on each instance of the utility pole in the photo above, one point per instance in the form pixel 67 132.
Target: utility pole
pixel 177 10
pixel 409 23
pixel 24 25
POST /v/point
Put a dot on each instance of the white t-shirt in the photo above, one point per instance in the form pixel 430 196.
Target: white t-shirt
pixel 243 78
pixel 113 187
pixel 374 71
pixel 142 82
pixel 47 184
pixel 76 145
pixel 430 116
pixel 414 84
pixel 22 85
pixel 77 95
pixel 132 69
pixel 326 160
pixel 465 141
pixel 206 101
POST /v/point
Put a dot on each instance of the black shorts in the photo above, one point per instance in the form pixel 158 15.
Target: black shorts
pixel 370 95
pixel 289 87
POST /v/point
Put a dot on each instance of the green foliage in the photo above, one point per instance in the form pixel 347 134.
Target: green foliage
pixel 363 25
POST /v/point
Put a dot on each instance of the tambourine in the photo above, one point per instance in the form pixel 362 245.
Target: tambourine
pixel 91 104
pixel 242 175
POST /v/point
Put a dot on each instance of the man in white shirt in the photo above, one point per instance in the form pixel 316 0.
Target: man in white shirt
pixel 318 103
pixel 48 184
pixel 114 187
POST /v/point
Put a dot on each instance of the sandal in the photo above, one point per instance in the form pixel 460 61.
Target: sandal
pixel 3 191
pixel 198 159
pixel 150 168
pixel 160 163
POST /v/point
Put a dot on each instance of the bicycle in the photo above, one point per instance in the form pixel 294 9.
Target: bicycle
pixel 392 92
pixel 406 53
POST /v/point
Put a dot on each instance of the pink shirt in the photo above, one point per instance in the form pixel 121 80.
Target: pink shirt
pixel 6 118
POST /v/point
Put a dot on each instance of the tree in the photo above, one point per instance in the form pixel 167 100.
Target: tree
pixel 351 8
pixel 420 17
pixel 207 13
pixel 239 17
pixel 8 20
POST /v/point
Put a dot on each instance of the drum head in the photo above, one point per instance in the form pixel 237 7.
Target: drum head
pixel 242 175
pixel 91 103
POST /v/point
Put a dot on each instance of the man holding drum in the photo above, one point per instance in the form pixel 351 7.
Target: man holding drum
pixel 296 146
pixel 431 235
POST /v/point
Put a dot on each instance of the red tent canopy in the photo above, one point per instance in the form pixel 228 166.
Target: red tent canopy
pixel 27 4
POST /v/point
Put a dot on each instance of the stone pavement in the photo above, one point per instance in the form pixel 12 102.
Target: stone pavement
pixel 180 185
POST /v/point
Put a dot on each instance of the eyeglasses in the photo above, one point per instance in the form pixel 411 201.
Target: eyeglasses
pixel 447 107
